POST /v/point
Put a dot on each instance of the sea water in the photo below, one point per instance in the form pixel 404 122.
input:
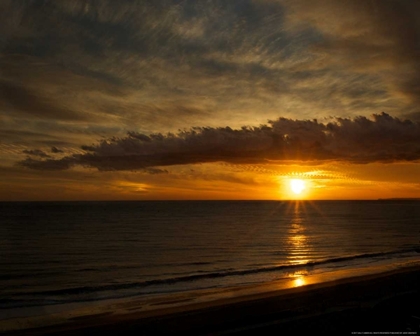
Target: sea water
pixel 55 253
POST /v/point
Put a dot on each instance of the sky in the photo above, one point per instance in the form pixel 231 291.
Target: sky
pixel 206 99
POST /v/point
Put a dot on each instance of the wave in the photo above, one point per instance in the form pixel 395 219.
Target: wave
pixel 210 275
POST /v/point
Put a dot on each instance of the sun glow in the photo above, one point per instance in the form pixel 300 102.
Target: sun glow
pixel 297 186
pixel 299 282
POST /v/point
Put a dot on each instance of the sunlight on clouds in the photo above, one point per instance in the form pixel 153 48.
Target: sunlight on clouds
pixel 254 93
pixel 133 187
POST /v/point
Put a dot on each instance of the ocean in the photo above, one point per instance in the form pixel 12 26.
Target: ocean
pixel 58 253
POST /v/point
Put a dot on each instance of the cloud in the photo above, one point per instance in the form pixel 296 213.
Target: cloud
pixel 26 101
pixel 36 152
pixel 71 61
pixel 142 62
pixel 375 37
pixel 55 150
pixel 155 171
pixel 359 140
pixel 48 164
pixel 157 66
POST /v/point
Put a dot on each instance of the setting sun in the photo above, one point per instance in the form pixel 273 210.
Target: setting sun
pixel 299 282
pixel 297 186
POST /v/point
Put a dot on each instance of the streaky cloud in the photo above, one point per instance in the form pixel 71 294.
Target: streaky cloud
pixel 358 140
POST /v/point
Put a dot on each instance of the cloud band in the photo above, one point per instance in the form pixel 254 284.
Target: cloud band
pixel 359 140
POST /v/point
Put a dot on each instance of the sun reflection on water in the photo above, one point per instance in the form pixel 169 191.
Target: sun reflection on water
pixel 298 247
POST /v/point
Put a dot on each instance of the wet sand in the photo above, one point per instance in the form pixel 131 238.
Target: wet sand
pixel 375 303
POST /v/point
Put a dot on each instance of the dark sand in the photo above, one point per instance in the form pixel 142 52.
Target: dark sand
pixel 380 303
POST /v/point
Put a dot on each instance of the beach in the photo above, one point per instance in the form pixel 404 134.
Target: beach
pixel 386 302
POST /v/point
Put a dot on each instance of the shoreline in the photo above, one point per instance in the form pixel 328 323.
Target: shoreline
pixel 361 300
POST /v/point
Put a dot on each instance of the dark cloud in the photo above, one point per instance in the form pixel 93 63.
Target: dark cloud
pixel 377 37
pixel 48 164
pixel 359 140
pixel 41 89
pixel 413 116
pixel 24 100
pixel 36 152
pixel 155 171
pixel 56 150
pixel 159 51
pixel 160 65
